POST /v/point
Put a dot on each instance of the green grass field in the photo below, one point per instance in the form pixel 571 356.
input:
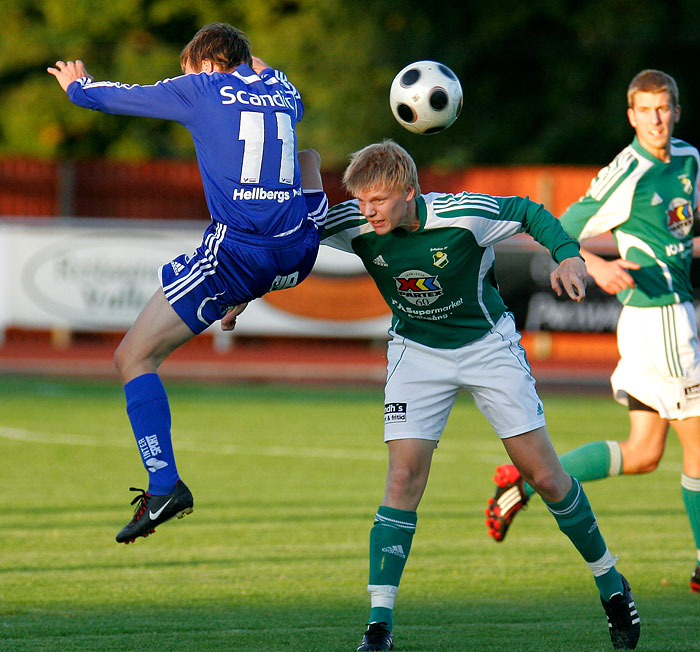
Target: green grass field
pixel 274 558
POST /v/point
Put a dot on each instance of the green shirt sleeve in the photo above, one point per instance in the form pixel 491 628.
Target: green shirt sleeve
pixel 537 221
pixel 607 201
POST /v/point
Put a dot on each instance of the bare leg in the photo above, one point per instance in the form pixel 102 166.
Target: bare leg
pixel 535 458
pixel 156 333
pixel 407 475
pixel 645 445
pixel 688 431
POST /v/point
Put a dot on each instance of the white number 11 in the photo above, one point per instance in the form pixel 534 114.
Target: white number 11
pixel 252 133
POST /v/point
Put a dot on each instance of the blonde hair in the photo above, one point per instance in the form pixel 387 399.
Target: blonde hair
pixel 652 81
pixel 384 165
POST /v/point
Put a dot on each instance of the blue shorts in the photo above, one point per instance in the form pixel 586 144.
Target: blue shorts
pixel 229 268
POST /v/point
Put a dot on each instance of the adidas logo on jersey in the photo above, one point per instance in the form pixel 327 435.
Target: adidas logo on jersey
pixel 379 260
pixel 177 267
pixel 395 550
pixel 656 199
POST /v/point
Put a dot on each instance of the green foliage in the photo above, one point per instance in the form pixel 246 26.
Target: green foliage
pixel 274 558
pixel 544 81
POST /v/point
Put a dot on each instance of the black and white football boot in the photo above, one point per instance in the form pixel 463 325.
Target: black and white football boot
pixel 377 637
pixel 151 511
pixel 623 620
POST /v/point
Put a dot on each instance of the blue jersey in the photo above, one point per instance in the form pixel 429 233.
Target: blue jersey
pixel 243 126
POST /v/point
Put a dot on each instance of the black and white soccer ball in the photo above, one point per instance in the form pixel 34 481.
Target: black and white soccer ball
pixel 426 97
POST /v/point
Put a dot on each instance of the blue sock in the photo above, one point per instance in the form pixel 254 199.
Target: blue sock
pixel 149 413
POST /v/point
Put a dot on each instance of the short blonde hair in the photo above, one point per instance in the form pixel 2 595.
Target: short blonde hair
pixel 652 81
pixel 384 165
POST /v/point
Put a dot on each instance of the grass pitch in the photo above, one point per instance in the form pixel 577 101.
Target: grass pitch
pixel 274 558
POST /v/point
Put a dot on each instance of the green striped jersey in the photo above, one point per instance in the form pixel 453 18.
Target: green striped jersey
pixel 648 205
pixel 439 281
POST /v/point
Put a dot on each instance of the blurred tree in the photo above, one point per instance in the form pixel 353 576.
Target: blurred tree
pixel 544 81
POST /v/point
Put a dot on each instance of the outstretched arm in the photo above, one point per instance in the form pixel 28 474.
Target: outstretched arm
pixel 611 275
pixel 66 72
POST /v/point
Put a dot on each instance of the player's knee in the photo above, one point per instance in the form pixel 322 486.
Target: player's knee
pixel 404 481
pixel 636 459
pixel 644 464
pixel 124 361
pixel 400 480
pixel 119 359
pixel 547 483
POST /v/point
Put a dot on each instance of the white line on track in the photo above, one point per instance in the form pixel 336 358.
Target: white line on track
pixel 66 439
pixel 476 452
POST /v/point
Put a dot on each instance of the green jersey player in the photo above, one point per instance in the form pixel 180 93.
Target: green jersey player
pixel 431 256
pixel 647 197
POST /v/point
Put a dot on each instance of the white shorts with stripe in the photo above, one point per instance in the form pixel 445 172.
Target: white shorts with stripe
pixel 423 383
pixel 659 359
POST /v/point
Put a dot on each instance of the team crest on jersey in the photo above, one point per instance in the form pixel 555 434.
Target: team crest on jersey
pixel 440 259
pixel 680 217
pixel 687 184
pixel 418 287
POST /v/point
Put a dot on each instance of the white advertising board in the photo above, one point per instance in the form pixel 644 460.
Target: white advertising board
pixel 96 275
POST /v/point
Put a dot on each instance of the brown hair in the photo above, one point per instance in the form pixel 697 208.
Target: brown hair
pixel 222 44
pixel 383 165
pixel 652 81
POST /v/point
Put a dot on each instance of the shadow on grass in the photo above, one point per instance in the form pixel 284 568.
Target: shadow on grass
pixel 513 623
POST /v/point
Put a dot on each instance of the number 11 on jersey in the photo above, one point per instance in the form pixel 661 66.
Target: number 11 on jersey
pixel 252 133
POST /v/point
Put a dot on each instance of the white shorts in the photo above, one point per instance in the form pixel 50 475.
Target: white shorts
pixel 659 359
pixel 423 382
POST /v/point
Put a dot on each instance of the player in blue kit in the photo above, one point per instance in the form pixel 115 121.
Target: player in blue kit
pixel 263 234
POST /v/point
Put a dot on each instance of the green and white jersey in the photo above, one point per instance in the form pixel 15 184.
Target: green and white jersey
pixel 648 205
pixel 439 281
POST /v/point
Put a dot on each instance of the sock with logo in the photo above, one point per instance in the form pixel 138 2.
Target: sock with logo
pixel 389 544
pixel 690 487
pixel 149 413
pixel 594 461
pixel 576 519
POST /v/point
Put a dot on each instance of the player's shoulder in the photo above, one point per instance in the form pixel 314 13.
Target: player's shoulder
pixel 343 217
pixel 195 84
pixel 461 204
pixel 609 177
pixel 622 161
pixel 681 148
pixel 275 79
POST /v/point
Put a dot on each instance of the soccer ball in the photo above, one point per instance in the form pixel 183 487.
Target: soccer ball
pixel 426 97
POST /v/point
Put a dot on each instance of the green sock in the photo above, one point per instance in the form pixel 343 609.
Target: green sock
pixel 576 519
pixel 690 487
pixel 594 461
pixel 389 544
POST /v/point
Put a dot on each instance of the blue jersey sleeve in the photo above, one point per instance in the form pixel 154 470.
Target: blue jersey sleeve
pixel 169 99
